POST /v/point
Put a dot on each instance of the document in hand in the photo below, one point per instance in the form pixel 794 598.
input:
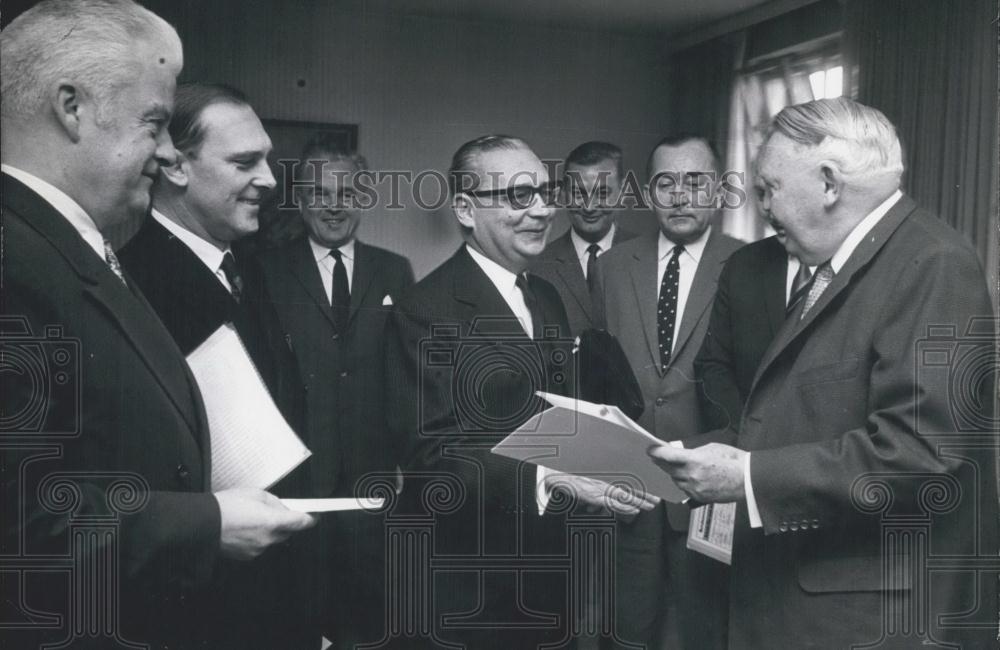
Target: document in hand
pixel 593 440
pixel 252 445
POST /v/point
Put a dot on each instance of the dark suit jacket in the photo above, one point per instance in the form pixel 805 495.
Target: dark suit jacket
pixel 748 311
pixel 855 411
pixel 630 288
pixel 128 404
pixel 559 265
pixel 343 371
pixel 462 375
pixel 192 304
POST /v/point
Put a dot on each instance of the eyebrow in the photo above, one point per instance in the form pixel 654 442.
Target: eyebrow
pixel 252 154
pixel 157 111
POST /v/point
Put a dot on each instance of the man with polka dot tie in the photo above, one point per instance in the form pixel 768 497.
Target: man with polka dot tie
pixel 657 293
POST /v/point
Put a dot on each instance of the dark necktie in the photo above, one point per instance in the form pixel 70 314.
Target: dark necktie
pixel 531 301
pixel 340 295
pixel 800 285
pixel 592 252
pixel 823 278
pixel 233 276
pixel 666 307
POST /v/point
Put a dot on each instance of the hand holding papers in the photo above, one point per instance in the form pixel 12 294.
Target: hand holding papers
pixel 252 520
pixel 332 505
pixel 592 440
pixel 709 474
pixel 252 445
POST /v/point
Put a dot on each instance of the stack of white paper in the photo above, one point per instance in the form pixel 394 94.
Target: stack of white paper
pixel 252 445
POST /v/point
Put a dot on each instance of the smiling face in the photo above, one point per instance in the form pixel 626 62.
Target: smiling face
pixel 509 236
pixel 329 208
pixel 228 175
pixel 684 190
pixel 593 191
pixel 124 141
pixel 790 190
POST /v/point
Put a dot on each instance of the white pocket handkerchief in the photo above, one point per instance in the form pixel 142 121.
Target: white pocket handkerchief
pixel 387 301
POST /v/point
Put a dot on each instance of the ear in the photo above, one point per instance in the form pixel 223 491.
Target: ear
pixel 67 106
pixel 833 182
pixel 464 210
pixel 177 173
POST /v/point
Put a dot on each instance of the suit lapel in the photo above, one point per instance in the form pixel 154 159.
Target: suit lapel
pixel 861 256
pixel 361 277
pixel 303 268
pixel 703 285
pixel 143 330
pixel 644 284
pixel 569 270
pixel 484 304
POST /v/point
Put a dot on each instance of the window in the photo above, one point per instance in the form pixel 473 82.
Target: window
pixel 827 82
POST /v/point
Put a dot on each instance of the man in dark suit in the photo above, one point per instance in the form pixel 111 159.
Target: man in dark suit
pixel 657 297
pixel 871 398
pixel 333 294
pixel 592 186
pixel 467 347
pixel 757 286
pixel 182 260
pixel 110 466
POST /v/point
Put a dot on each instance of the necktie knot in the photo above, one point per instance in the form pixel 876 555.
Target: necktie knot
pixel 677 250
pixel 594 249
pixel 336 254
pixel 800 285
pixel 232 274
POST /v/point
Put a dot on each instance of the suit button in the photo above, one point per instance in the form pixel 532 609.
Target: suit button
pixel 182 471
pixel 783 527
pixel 660 401
pixel 815 523
pixel 344 373
pixel 794 525
pixel 335 337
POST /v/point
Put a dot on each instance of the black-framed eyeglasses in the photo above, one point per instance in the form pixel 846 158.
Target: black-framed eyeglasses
pixel 520 197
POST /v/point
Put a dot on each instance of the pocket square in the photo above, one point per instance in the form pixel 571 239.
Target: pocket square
pixel 387 301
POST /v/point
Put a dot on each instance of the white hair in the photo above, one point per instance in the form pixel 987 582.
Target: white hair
pixel 93 43
pixel 858 138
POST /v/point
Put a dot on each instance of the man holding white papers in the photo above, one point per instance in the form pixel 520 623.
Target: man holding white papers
pixel 183 260
pixel 87 92
pixel 867 442
pixel 657 294
pixel 467 347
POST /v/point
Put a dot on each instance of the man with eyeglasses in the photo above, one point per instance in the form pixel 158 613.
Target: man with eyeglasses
pixel 657 293
pixel 592 187
pixel 467 347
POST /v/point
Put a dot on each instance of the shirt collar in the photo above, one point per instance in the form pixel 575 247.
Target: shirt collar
pixel 861 230
pixel 320 251
pixel 692 250
pixel 501 278
pixel 580 244
pixel 64 205
pixel 206 251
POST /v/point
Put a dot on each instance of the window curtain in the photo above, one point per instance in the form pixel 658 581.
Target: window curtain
pixel 757 96
pixel 931 67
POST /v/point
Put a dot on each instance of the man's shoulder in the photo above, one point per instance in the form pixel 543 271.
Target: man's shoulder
pixel 279 255
pixel 555 249
pixel 725 244
pixel 757 252
pixel 439 282
pixel 628 249
pixel 384 258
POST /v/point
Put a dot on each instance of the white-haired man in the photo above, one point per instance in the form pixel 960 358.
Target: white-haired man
pixel 109 465
pixel 851 478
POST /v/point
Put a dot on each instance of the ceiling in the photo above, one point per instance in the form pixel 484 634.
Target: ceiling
pixel 646 16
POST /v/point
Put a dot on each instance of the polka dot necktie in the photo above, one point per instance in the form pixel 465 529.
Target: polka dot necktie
pixel 666 307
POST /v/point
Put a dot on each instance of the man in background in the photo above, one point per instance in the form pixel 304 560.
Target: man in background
pixel 87 93
pixel 592 186
pixel 657 297
pixel 182 260
pixel 865 404
pixel 333 294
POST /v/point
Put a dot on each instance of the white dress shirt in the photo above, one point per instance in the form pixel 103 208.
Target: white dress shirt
pixel 209 254
pixel 580 246
pixel 837 262
pixel 64 205
pixel 687 263
pixel 326 264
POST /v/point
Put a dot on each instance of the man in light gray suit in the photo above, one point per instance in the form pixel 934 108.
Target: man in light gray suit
pixel 657 293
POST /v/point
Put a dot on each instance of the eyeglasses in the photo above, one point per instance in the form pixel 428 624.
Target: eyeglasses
pixel 520 197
